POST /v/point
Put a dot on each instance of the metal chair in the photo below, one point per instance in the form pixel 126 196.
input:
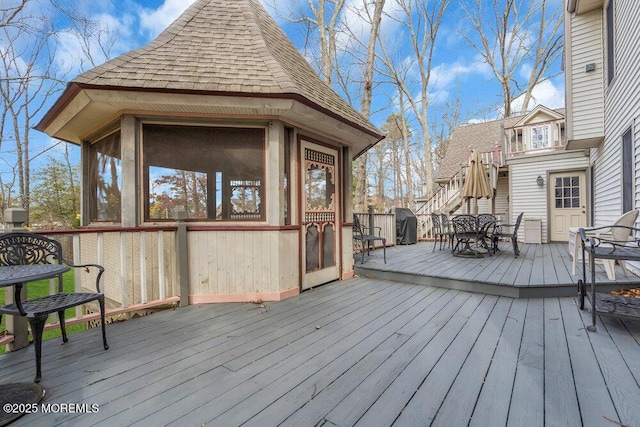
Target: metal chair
pixel 486 227
pixel 466 231
pixel 436 229
pixel 507 231
pixel 447 229
pixel 365 239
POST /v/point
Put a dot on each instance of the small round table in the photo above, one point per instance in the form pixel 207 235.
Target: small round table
pixel 18 399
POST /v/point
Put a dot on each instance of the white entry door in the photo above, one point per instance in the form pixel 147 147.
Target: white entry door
pixel 568 204
pixel 321 195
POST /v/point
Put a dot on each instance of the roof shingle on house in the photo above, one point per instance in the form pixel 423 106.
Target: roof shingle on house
pixel 482 136
pixel 221 46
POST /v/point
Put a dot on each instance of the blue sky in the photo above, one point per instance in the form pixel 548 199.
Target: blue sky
pixel 457 69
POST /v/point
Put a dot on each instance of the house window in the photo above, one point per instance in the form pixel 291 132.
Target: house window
pixel 567 192
pixel 105 179
pixel 628 194
pixel 539 137
pixel 611 70
pixel 210 173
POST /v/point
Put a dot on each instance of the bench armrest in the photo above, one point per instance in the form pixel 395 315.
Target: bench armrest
pixel 86 268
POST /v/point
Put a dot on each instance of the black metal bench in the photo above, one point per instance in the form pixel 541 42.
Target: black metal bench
pixel 21 249
pixel 365 239
pixel 619 243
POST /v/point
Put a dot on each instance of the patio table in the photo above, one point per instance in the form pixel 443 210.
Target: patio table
pixel 468 230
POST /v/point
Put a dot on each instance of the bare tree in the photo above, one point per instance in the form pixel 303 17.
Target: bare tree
pixel 441 129
pixel 9 14
pixel 30 76
pixel 421 20
pixel 514 34
pixel 361 163
pixel 323 22
pixel 26 84
pixel 94 38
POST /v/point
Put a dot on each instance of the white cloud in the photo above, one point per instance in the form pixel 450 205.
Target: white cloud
pixel 155 21
pixel 443 75
pixel 75 55
pixel 547 93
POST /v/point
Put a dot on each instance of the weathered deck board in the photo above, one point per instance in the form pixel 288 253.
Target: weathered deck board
pixel 539 271
pixel 384 353
pixel 457 407
pixel 560 401
pixel 527 398
pixel 591 388
pixel 499 379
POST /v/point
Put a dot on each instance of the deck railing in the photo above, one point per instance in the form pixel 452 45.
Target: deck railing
pixel 140 269
pixel 386 222
pixel 447 197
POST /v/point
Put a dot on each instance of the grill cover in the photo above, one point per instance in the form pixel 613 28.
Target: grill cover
pixel 406 227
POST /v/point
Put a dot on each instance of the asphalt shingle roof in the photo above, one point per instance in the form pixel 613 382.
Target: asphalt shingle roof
pixel 221 46
pixel 482 136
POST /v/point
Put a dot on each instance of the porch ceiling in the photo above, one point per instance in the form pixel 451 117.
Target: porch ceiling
pixel 86 110
pixel 583 143
pixel 584 6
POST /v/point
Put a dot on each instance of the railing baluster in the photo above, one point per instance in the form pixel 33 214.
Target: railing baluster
pixel 123 269
pixel 161 279
pixel 77 284
pixel 143 268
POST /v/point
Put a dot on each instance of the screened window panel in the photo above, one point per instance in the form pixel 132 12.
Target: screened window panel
pixel 211 173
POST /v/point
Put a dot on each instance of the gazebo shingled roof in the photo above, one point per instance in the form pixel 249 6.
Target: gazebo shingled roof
pixel 218 47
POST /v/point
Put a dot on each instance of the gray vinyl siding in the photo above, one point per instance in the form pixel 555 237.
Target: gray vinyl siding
pixel 587 90
pixel 527 196
pixel 622 111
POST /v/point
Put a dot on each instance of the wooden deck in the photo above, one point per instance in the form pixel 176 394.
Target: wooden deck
pixel 356 352
pixel 539 271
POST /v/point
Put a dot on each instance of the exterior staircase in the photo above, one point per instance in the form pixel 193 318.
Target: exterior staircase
pixel 448 198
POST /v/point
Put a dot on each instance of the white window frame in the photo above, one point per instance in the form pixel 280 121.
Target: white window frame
pixel 539 137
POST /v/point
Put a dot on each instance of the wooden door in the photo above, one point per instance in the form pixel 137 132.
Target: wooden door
pixel 320 200
pixel 568 204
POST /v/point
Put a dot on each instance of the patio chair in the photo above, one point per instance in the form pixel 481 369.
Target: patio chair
pixel 436 229
pixel 486 227
pixel 628 219
pixel 364 239
pixel 447 228
pixel 507 231
pixel 465 232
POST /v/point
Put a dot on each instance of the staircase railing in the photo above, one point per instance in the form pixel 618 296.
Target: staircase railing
pixel 448 193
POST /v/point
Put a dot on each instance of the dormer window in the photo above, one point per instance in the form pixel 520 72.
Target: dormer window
pixel 539 137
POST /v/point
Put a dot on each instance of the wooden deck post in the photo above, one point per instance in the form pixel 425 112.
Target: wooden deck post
pixel 371 220
pixel 182 257
pixel 16 325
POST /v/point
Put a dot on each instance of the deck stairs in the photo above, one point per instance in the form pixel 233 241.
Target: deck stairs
pixel 448 198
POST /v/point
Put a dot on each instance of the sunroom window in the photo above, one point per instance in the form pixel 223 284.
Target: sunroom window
pixel 105 179
pixel 211 173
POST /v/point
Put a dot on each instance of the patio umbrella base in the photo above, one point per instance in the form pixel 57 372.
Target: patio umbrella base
pixel 470 253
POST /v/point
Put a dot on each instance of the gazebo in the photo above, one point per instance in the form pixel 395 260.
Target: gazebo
pixel 218 125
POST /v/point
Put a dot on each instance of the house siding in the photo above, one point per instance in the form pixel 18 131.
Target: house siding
pixel 585 94
pixel 528 196
pixel 622 111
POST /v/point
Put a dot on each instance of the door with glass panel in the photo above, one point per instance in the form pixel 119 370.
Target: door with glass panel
pixel 568 204
pixel 321 195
